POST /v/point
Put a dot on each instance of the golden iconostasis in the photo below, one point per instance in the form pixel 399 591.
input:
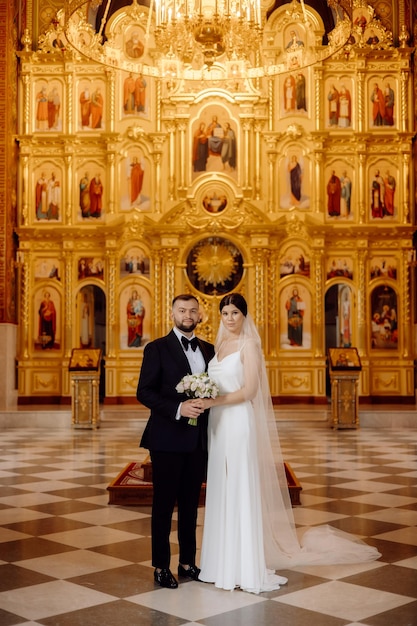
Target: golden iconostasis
pixel 294 189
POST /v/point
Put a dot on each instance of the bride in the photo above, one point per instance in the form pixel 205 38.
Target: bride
pixel 249 528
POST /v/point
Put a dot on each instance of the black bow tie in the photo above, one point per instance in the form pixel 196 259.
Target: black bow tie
pixel 189 342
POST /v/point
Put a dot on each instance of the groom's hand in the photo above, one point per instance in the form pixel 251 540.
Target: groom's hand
pixel 191 408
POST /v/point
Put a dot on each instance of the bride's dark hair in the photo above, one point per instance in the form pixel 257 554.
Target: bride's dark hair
pixel 237 300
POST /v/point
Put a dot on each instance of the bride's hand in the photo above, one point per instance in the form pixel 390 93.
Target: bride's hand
pixel 207 403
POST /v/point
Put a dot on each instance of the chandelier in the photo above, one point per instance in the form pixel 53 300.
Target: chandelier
pixel 214 28
pixel 198 39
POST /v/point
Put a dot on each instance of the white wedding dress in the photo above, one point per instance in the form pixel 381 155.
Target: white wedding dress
pixel 249 525
pixel 232 552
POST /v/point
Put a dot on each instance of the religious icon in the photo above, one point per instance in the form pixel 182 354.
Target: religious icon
pixel 95 191
pixel 294 93
pixel 383 189
pixel 54 109
pixel 383 267
pixel 345 316
pixel 42 108
pixel 135 307
pixel 339 104
pixel 294 262
pixel 295 183
pixel 134 261
pixel 91 102
pixel 135 312
pixel 344 358
pixel 86 317
pixel 48 197
pixel 134 46
pixel 85 359
pixel 295 317
pixel 214 144
pixel 47 268
pixel 294 49
pixel 90 267
pixel 214 202
pixel 47 321
pixel 384 321
pixel 134 94
pixel 135 182
pixel 295 312
pixel 383 101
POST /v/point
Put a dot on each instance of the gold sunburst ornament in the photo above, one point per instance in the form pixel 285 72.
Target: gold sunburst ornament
pixel 214 264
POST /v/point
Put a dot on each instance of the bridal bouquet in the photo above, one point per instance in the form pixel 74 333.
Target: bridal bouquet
pixel 197 386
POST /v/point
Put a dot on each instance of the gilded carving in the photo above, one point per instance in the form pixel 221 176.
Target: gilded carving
pixel 296 190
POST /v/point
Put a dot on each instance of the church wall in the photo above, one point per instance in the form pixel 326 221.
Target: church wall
pixel 8 207
pixel 125 202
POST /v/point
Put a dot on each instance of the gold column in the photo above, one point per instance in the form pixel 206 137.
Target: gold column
pixel 68 255
pixel 246 127
pixel 27 81
pixel 361 184
pixel 405 290
pixel 360 107
pixel 271 104
pixel 318 89
pixel 69 78
pixel 69 160
pixel 182 127
pixel 171 126
pixel 158 140
pixel 273 312
pixel 24 187
pixel 260 258
pixel 112 330
pixel 158 105
pixel 271 152
pixel 170 256
pixel 111 111
pixel 25 263
pixel 406 188
pixel 111 165
pixel 361 297
pixel 404 101
pixel 318 318
pixel 157 265
pixel 258 129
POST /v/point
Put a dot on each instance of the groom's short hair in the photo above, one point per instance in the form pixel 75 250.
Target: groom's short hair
pixel 184 296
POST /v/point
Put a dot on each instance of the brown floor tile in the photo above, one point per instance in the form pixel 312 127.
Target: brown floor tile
pixel 14 577
pixel 32 548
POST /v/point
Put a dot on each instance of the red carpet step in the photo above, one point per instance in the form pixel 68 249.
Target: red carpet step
pixel 133 486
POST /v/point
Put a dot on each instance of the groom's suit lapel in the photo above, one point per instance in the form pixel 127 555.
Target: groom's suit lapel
pixel 177 352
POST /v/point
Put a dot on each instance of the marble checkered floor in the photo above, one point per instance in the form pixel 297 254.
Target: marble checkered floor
pixel 67 558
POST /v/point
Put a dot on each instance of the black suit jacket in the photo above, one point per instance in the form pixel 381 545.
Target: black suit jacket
pixel 164 364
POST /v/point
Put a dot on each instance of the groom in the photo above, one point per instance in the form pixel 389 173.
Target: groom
pixel 178 450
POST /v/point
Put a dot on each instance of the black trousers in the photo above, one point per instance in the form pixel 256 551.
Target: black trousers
pixel 177 479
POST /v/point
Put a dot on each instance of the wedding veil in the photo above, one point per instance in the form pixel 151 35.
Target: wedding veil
pixel 319 545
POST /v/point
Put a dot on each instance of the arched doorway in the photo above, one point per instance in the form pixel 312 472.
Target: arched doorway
pixel 338 320
pixel 91 327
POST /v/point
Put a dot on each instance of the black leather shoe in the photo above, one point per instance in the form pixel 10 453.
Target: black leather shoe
pixel 192 572
pixel 164 578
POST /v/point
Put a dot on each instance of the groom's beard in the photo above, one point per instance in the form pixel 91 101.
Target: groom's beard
pixel 187 328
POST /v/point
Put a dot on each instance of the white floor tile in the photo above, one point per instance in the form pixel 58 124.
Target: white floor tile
pixel 344 600
pixel 196 601
pixel 53 598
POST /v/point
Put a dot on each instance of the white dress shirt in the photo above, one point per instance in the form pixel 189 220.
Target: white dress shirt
pixel 195 359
